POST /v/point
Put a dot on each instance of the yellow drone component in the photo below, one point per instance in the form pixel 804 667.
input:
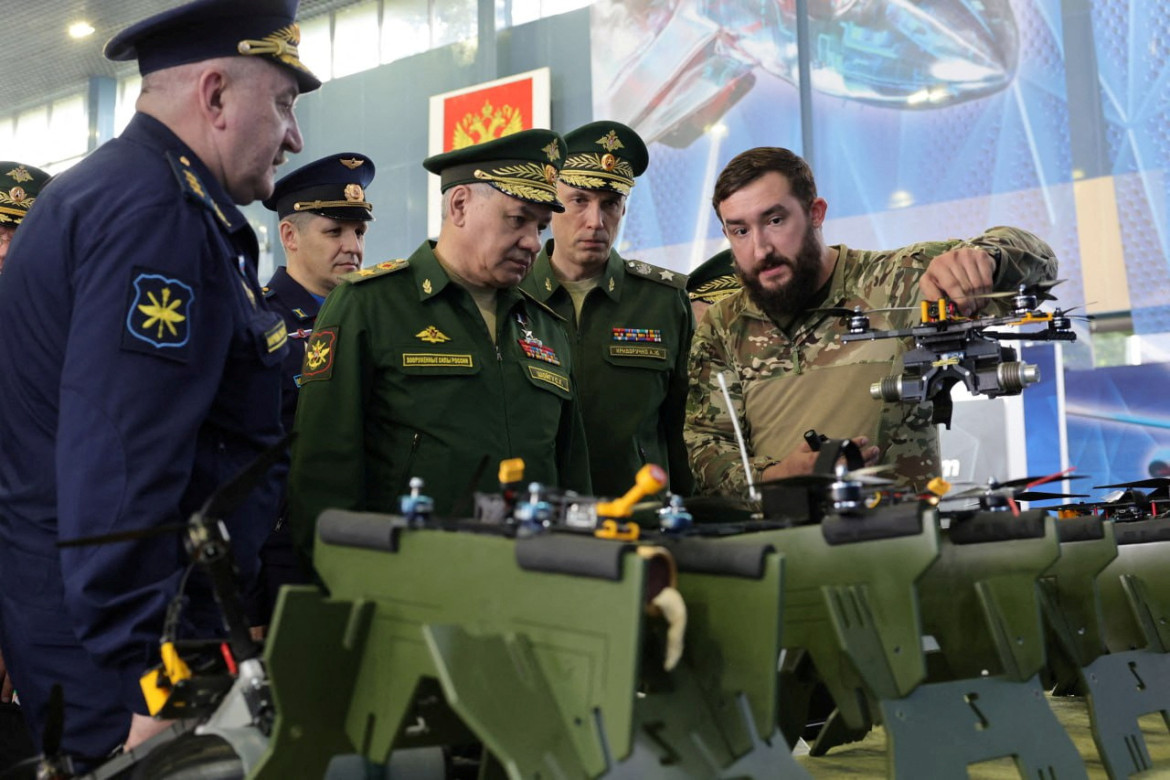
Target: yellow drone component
pixel 939 486
pixel 648 481
pixel 158 684
pixel 622 532
pixel 511 470
pixel 1033 318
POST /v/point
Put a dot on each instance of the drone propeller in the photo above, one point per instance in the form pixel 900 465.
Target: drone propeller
pixel 1040 495
pixel 1038 289
pixel 1153 482
pixel 1040 480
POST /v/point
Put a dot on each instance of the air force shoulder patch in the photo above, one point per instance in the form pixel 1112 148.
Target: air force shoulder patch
pixel 158 318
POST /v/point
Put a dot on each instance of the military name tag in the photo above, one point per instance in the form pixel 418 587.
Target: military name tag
pixel 550 377
pixel 638 351
pixel 435 360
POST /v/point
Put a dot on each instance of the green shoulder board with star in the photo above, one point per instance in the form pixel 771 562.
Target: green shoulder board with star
pixel 660 275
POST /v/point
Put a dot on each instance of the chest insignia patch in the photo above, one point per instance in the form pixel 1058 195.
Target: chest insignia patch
pixel 158 319
pixel 535 350
pixel 300 313
pixel 532 347
pixel 652 335
pixel 432 335
pixel 320 351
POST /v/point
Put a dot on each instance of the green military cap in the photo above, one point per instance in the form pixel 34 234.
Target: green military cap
pixel 20 185
pixel 604 156
pixel 714 280
pixel 523 165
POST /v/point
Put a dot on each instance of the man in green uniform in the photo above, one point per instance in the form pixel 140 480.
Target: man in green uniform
pixel 438 366
pixel 785 367
pixel 630 323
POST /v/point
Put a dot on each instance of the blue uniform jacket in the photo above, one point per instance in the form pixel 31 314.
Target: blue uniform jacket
pixel 298 308
pixel 142 371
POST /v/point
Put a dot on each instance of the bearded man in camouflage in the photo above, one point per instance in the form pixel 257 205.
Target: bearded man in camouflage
pixel 786 368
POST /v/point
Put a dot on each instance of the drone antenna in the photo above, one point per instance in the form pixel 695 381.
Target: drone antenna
pixel 753 494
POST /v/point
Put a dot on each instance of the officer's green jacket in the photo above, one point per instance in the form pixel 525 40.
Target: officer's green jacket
pixel 630 363
pixel 401 379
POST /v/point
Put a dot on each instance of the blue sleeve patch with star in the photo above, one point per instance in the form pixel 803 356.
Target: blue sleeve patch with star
pixel 158 318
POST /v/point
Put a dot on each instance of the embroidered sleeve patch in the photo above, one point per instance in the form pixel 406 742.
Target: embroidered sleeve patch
pixel 158 317
pixel 320 350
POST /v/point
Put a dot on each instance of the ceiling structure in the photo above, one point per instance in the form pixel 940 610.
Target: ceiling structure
pixel 39 60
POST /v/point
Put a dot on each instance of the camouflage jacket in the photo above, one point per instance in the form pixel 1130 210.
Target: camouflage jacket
pixel 763 361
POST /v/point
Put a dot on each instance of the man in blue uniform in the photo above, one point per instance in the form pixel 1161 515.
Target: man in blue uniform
pixel 323 213
pixel 20 185
pixel 149 369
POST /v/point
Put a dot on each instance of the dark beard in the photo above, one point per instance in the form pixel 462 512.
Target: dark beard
pixel 793 297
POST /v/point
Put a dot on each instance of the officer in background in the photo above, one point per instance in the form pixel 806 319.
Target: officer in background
pixel 324 216
pixel 20 185
pixel 149 367
pixel 630 321
pixel 711 282
pixel 438 366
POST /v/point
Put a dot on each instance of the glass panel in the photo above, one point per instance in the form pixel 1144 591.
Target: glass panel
pixel 355 39
pixel 406 28
pixel 32 134
pixel 524 11
pixel 68 128
pixel 316 49
pixel 454 21
pixel 7 140
pixel 128 89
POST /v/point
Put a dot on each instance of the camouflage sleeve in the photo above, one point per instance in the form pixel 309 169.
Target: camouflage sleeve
pixel 1021 258
pixel 708 430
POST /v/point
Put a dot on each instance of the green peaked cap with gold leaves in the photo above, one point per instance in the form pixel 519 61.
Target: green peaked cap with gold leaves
pixel 604 156
pixel 523 165
pixel 20 185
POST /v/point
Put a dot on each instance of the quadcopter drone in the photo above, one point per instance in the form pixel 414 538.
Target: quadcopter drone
pixel 951 347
